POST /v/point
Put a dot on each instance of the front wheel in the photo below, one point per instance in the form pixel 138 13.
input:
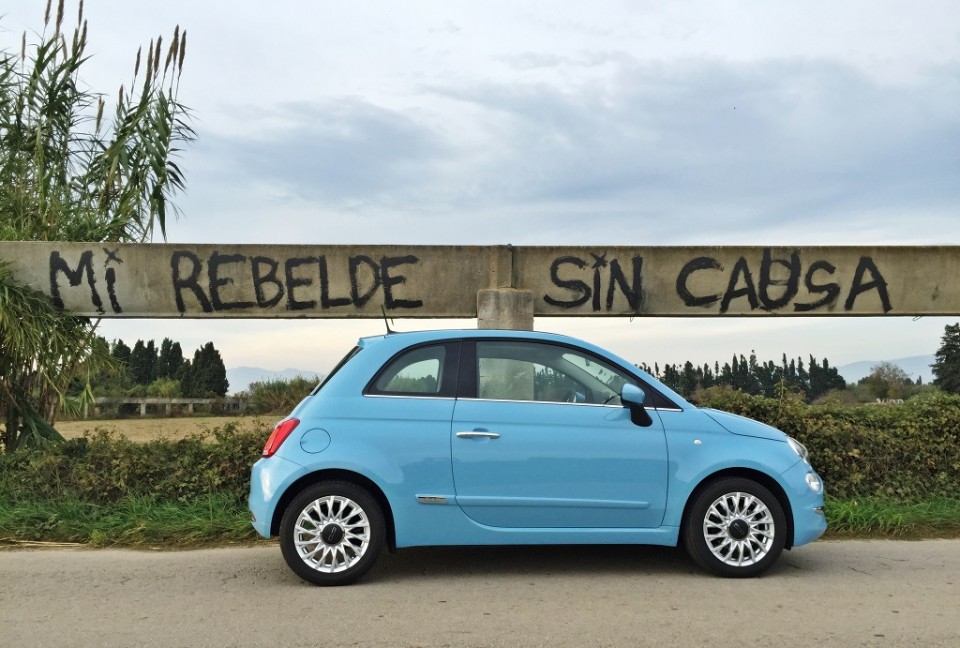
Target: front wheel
pixel 735 528
pixel 332 533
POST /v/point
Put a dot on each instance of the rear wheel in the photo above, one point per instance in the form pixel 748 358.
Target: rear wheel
pixel 332 533
pixel 735 528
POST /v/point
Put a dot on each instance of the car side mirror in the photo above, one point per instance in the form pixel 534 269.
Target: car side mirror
pixel 633 397
pixel 632 394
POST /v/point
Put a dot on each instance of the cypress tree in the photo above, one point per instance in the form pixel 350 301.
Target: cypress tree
pixel 207 374
pixel 946 368
pixel 170 359
pixel 142 361
pixel 121 352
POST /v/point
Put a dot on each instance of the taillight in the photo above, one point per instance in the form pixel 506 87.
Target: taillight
pixel 279 435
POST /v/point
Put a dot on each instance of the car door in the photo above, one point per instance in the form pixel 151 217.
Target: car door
pixel 541 440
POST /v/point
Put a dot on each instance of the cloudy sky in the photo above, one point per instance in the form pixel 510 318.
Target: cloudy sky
pixel 556 123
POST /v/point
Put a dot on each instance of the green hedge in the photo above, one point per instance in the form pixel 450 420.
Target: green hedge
pixel 107 468
pixel 907 452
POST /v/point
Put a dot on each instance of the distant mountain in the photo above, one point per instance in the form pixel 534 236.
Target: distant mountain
pixel 241 377
pixel 916 366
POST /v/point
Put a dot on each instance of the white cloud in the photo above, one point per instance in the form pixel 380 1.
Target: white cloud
pixel 633 123
pixel 692 153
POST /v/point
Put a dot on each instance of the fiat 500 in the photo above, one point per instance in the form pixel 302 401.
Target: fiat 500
pixel 486 437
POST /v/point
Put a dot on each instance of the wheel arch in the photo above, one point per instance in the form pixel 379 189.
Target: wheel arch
pixel 761 478
pixel 334 474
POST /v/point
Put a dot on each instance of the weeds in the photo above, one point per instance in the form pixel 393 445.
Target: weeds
pixel 216 519
pixel 880 517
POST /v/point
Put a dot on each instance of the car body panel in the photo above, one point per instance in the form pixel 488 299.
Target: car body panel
pixel 558 465
pixel 744 426
pixel 699 447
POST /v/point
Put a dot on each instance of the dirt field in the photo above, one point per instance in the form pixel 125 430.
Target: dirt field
pixel 145 429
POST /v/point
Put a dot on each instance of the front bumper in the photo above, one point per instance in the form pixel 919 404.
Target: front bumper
pixel 809 521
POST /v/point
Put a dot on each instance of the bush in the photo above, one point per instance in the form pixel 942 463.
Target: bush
pixel 164 388
pixel 906 451
pixel 106 468
pixel 278 396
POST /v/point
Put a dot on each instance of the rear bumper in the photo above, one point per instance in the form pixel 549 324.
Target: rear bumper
pixel 269 480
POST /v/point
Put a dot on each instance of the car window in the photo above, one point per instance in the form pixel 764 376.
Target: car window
pixel 612 378
pixel 531 371
pixel 418 371
pixel 354 351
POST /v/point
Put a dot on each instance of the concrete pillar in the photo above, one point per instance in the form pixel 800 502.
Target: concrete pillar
pixel 143 409
pixel 505 308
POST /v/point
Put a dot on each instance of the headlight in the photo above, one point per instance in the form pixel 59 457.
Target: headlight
pixel 814 483
pixel 799 449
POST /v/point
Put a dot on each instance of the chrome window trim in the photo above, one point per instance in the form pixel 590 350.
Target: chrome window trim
pixel 539 402
pixel 417 396
pixel 507 400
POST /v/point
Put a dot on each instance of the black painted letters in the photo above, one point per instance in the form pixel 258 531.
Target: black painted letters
pixel 632 288
pixel 206 281
pixel 304 281
pixel 751 294
pixel 75 277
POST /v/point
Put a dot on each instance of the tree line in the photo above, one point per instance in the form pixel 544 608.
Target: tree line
pixel 813 379
pixel 164 372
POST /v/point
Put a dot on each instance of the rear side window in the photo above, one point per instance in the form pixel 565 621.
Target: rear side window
pixel 422 371
pixel 354 351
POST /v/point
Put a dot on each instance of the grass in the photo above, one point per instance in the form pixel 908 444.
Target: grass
pixel 135 522
pixel 219 520
pixel 884 518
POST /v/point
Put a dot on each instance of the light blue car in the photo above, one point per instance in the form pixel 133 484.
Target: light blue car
pixel 483 437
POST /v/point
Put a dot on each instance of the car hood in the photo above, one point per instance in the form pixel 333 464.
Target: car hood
pixel 744 426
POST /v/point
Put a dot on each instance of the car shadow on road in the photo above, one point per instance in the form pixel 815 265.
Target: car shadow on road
pixel 466 562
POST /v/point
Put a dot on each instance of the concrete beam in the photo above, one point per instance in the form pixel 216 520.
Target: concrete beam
pixel 505 308
pixel 287 281
pixel 741 280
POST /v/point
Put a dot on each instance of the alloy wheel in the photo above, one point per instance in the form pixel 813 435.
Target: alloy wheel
pixel 739 529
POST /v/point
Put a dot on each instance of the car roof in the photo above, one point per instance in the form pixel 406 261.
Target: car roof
pixel 398 340
pixel 382 347
pixel 408 337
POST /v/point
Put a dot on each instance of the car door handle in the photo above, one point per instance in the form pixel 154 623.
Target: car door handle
pixel 477 434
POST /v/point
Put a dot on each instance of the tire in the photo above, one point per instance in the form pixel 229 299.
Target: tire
pixel 332 533
pixel 735 528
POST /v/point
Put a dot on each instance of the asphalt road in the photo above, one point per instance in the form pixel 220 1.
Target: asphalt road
pixel 849 593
